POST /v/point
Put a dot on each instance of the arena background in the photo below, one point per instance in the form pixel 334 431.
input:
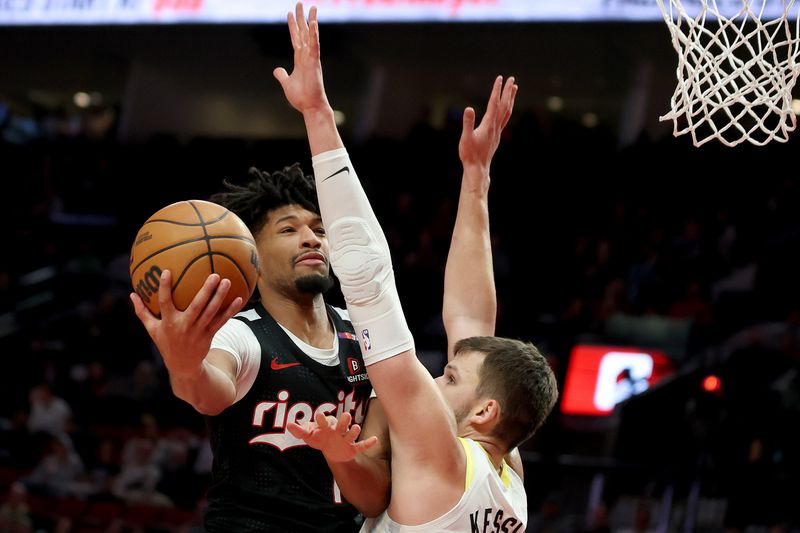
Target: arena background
pixel 607 232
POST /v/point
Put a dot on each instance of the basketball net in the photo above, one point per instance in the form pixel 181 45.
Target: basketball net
pixel 735 75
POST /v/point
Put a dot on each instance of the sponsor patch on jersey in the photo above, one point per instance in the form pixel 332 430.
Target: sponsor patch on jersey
pixel 347 335
pixel 353 366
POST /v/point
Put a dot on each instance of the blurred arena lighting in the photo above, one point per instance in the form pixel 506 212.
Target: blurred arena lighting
pixel 82 99
pixel 339 117
pixel 712 384
pixel 555 103
pixel 589 120
pixel 796 106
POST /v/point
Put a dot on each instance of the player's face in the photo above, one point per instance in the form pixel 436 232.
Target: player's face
pixel 459 383
pixel 293 249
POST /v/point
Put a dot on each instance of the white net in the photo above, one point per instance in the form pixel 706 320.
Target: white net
pixel 735 74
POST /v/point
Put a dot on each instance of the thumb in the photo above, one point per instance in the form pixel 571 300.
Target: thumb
pixel 280 74
pixel 366 444
pixel 469 121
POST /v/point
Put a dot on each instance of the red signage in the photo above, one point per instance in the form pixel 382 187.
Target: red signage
pixel 600 377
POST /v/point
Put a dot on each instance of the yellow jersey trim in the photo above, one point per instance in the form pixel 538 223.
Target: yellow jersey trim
pixel 470 464
pixel 505 477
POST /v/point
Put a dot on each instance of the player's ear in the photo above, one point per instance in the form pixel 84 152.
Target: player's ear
pixel 487 412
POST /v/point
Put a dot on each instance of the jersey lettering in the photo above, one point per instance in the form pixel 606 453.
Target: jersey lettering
pixel 300 412
pixel 493 524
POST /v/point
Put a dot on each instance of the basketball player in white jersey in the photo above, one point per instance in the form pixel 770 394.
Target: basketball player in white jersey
pixel 449 438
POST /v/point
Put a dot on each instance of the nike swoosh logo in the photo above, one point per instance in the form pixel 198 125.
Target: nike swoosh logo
pixel 275 365
pixel 343 169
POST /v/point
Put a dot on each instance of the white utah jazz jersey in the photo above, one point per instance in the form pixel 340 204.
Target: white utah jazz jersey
pixel 491 502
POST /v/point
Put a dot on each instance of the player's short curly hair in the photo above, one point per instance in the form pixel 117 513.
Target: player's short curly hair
pixel 267 191
pixel 518 376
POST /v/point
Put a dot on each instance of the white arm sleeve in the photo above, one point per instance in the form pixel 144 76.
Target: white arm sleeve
pixel 236 338
pixel 360 258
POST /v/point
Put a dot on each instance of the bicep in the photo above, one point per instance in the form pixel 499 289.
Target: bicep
pixel 376 425
pixel 225 362
pixel 237 340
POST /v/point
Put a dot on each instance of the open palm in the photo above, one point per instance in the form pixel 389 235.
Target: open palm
pixel 304 88
pixel 478 145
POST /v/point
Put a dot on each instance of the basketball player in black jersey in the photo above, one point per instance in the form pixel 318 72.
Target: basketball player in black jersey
pixel 284 359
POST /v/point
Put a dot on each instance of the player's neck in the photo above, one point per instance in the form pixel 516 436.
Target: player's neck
pixel 307 318
pixel 493 449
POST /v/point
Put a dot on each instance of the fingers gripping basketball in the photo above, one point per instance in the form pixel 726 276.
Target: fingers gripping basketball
pixel 193 239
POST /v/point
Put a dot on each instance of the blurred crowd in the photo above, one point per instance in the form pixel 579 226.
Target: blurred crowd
pixel 657 244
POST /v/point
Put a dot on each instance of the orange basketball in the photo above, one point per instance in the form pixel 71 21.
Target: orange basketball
pixel 193 239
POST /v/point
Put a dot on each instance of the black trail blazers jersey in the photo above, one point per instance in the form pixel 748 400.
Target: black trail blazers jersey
pixel 264 479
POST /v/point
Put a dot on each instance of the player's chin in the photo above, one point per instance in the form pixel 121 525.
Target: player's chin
pixel 314 283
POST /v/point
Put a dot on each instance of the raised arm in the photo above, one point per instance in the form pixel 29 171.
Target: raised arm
pixel 422 427
pixel 472 312
pixel 361 468
pixel 202 377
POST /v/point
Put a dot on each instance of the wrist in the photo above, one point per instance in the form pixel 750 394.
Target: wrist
pixel 476 183
pixel 476 168
pixel 320 113
pixel 345 463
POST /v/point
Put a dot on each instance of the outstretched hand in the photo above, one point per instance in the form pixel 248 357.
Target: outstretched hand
pixel 304 88
pixel 184 337
pixel 478 145
pixel 335 438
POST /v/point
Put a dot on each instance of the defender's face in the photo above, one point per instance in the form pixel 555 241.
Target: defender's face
pixel 459 383
pixel 292 245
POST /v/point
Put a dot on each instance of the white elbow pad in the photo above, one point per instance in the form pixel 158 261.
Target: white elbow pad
pixel 361 260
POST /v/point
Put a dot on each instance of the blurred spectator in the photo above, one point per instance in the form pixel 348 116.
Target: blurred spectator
pixel 101 470
pixel 179 482
pixel 57 470
pixel 15 512
pixel 48 413
pixel 148 437
pixel 692 305
pixel 139 476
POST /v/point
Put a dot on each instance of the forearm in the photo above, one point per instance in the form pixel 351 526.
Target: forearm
pixel 361 259
pixel 323 135
pixel 207 389
pixel 365 482
pixel 469 264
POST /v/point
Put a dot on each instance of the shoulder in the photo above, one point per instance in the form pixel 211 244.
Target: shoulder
pixel 236 336
pixel 250 315
pixel 238 325
pixel 514 461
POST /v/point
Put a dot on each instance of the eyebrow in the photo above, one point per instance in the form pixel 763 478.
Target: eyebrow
pixel 451 367
pixel 285 218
